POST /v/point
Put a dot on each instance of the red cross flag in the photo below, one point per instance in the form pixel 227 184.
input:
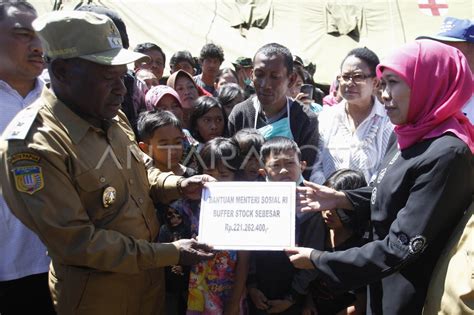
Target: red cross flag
pixel 433 7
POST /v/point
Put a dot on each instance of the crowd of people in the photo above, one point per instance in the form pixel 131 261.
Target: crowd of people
pixel 102 168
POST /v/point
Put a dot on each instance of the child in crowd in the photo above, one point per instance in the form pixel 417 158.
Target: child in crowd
pixel 250 141
pixel 303 89
pixel 225 76
pixel 274 285
pixel 163 97
pixel 342 232
pixel 188 91
pixel 176 277
pixel 208 120
pixel 229 95
pixel 334 96
pixel 217 286
pixel 182 60
pixel 161 137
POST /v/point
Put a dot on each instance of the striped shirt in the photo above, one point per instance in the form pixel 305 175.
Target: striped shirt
pixel 340 147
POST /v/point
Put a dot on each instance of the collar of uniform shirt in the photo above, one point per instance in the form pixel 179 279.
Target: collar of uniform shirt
pixel 76 125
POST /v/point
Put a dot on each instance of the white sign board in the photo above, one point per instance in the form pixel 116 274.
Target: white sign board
pixel 248 215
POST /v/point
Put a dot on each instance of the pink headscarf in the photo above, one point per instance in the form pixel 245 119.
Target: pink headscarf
pixel 441 83
pixel 156 93
pixel 330 99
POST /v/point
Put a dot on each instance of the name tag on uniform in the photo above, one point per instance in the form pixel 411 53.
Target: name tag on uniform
pixel 18 128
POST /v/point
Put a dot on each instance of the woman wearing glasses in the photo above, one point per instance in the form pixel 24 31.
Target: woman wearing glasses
pixel 420 193
pixel 354 133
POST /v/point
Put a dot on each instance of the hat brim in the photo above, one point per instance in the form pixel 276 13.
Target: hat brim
pixel 114 57
pixel 238 65
pixel 442 38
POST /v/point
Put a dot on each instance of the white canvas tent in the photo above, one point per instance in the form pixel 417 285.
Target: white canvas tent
pixel 319 31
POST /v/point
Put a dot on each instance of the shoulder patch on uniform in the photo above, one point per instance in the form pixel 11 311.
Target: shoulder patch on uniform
pixel 28 179
pixel 18 128
pixel 24 156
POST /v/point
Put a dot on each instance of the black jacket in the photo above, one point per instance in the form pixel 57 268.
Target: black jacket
pixel 419 196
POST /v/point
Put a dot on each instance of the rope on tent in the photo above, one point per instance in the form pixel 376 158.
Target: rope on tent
pixel 401 22
pixel 212 22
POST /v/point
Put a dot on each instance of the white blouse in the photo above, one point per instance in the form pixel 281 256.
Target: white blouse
pixel 340 147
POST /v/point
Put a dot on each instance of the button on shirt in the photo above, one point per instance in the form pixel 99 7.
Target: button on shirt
pixel 22 252
pixel 86 211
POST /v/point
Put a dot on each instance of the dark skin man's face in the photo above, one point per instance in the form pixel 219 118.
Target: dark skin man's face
pixel 94 90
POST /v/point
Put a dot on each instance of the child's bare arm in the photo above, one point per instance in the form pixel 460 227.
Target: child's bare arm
pixel 241 271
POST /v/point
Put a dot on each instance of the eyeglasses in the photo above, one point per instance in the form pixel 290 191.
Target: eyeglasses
pixel 356 78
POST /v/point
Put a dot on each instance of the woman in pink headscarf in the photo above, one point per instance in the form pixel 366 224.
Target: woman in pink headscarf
pixel 421 191
pixel 188 91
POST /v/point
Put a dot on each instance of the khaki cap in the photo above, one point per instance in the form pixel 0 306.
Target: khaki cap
pixel 86 35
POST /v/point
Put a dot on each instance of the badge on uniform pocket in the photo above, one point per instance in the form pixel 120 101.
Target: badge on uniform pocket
pixel 109 196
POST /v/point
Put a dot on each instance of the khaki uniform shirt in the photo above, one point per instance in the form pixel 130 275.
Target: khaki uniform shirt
pixel 86 193
pixel 451 289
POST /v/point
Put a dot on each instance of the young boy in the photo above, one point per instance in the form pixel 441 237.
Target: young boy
pixel 274 285
pixel 161 137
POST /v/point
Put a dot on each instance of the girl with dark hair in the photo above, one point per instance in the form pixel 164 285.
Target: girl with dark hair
pixel 208 119
pixel 250 142
pixel 217 286
pixel 303 89
pixel 225 76
pixel 230 95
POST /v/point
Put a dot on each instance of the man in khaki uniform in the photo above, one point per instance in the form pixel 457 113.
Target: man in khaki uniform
pixel 72 172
